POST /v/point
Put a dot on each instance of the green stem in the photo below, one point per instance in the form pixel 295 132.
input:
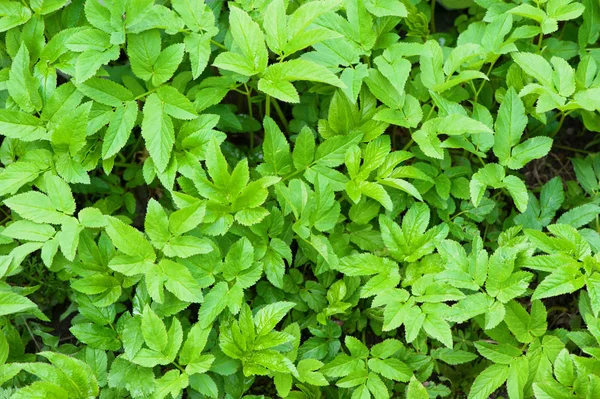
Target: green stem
pixel 296 173
pixel 268 106
pixel 31 334
pixel 4 212
pixel 540 38
pixel 560 123
pixel 483 82
pixel 577 150
pixel 429 113
pixel 135 147
pixel 145 94
pixel 282 117
pixel 178 366
pixel 249 97
pixel 219 45
pixel 238 90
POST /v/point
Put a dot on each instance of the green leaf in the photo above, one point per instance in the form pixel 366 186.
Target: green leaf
pixel 195 14
pixel 530 149
pixel 384 8
pixel 186 219
pixel 431 64
pixel 213 304
pixel 250 56
pixel 90 61
pixel 331 152
pixel 96 336
pixel 167 63
pixel 35 206
pixel 139 381
pixel 276 148
pixel 416 390
pixel 275 24
pixel 488 381
pixel 172 382
pixel 129 240
pixel 154 330
pixel 180 281
pixel 561 281
pixel 517 190
pixel 11 303
pixel 70 132
pixel 22 126
pixel 268 316
pixel 47 6
pixel 119 129
pixel 105 92
pixel 21 85
pixel 158 132
pixel 143 50
pixel 392 368
pixel 304 149
pixel 580 215
pixel 198 48
pixel 438 328
pixel 16 175
pixel 12 14
pixel 510 125
pixel 535 66
pixel 29 231
pixel 60 194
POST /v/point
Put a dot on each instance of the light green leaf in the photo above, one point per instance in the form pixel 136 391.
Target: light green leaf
pixel 158 132
pixel 14 303
pixel 105 92
pixel 119 129
pixel 536 66
pixel 22 126
pixel 21 85
pixel 510 124
pixel 488 381
pixel 35 206
pixel 60 194
pixel 129 240
pixel 13 13
pixel 154 330
pixel 416 390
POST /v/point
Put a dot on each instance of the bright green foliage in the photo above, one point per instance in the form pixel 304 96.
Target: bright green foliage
pixel 312 199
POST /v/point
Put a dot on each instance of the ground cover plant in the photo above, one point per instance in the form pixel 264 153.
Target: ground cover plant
pixel 299 199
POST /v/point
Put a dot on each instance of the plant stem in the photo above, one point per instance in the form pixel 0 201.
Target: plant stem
pixel 560 123
pixel 540 38
pixel 145 94
pixel 483 80
pixel 135 147
pixel 178 366
pixel 219 45
pixel 249 97
pixel 430 112
pixel 407 146
pixel 282 117
pixel 268 106
pixel 31 334
pixel 577 150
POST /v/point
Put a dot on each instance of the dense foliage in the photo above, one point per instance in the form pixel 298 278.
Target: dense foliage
pixel 301 199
